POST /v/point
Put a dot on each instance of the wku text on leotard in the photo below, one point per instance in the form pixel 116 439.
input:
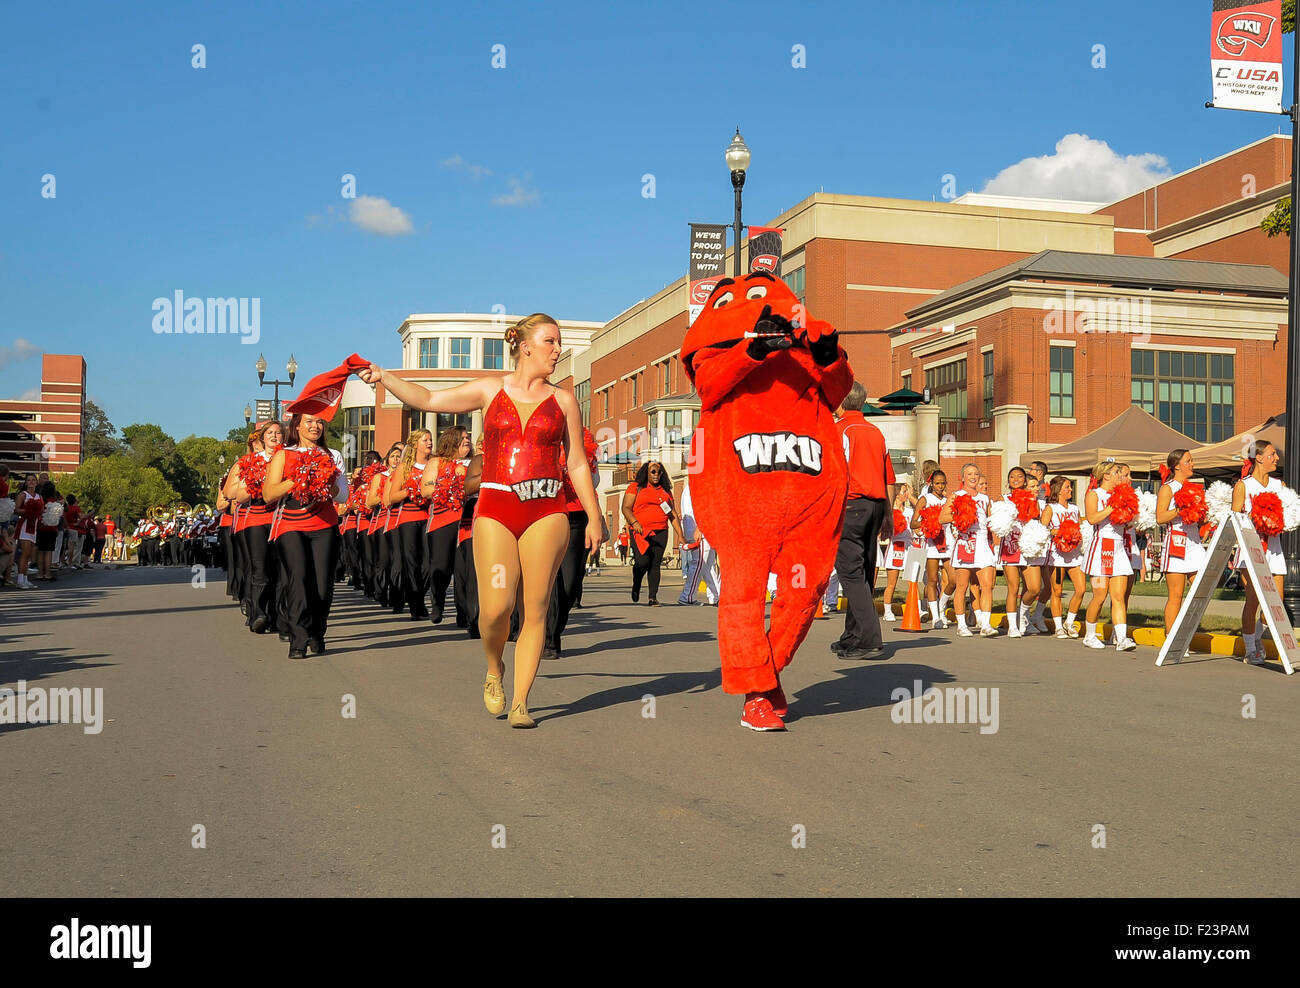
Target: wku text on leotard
pixel 529 490
pixel 761 452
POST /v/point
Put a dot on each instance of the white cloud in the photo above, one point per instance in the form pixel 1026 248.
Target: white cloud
pixel 31 394
pixel 457 163
pixel 21 349
pixel 375 215
pixel 1081 168
pixel 517 196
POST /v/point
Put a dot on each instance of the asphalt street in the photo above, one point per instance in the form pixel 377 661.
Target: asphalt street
pixel 423 792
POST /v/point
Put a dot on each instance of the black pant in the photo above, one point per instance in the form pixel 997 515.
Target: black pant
pixel 238 564
pixel 365 547
pixel 442 556
pixel 466 589
pixel 648 562
pixel 98 554
pixel 308 560
pixel 350 548
pixel 396 595
pixel 261 584
pixel 568 581
pixel 855 562
pixel 415 565
pixel 147 553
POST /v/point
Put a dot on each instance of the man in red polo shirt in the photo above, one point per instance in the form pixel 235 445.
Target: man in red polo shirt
pixel 866 515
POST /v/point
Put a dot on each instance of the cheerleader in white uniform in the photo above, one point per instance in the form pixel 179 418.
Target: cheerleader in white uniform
pixel 1182 554
pixel 1062 563
pixel 896 549
pixel 1257 481
pixel 938 551
pixel 1108 562
pixel 1135 555
pixel 1017 566
pixel 973 555
pixel 1038 469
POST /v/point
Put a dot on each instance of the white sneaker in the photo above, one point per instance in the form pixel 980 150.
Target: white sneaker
pixel 889 616
pixel 1127 645
pixel 989 632
pixel 1014 632
pixel 964 631
pixel 1071 631
pixel 1093 642
pixel 1061 633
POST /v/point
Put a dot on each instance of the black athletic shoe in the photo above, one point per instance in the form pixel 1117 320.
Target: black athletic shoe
pixel 297 653
pixel 315 646
pixel 865 653
pixel 285 636
pixel 258 625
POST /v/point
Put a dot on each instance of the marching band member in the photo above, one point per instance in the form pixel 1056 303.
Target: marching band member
pixel 261 580
pixel 385 592
pixel 229 563
pixel 444 485
pixel 1182 553
pixel 1108 563
pixel 568 580
pixel 348 532
pixel 1257 480
pixel 1062 561
pixel 302 480
pixel 521 526
pixel 902 540
pixel 972 555
pixel 411 508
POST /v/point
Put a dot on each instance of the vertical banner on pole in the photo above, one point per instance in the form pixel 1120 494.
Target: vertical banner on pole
pixel 765 249
pixel 708 252
pixel 1246 55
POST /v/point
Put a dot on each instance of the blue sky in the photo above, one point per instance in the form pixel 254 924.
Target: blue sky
pixel 522 185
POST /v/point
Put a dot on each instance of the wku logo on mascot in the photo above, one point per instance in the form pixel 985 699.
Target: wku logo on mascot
pixel 771 483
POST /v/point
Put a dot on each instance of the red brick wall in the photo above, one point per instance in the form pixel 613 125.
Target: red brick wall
pixel 1250 247
pixel 623 417
pixel 1205 188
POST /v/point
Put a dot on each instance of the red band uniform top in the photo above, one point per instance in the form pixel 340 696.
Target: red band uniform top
pixel 448 501
pixel 252 471
pixel 521 463
pixel 295 515
pixel 379 514
pixel 416 505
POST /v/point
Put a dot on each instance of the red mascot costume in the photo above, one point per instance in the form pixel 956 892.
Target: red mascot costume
pixel 769 478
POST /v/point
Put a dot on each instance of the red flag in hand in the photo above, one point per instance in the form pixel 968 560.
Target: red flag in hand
pixel 323 393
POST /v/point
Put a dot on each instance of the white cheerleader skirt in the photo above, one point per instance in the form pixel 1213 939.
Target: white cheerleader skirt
pixel 973 552
pixel 1272 552
pixel 1065 560
pixel 935 550
pixel 896 552
pixel 1107 557
pixel 1184 556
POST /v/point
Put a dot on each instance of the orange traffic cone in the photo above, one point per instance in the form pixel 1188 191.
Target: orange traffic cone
pixel 911 610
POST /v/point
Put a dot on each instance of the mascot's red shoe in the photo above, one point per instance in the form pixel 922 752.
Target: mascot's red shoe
pixel 758 714
pixel 768 478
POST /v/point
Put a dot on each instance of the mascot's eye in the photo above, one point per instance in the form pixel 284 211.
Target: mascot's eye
pixel 723 299
pixel 758 291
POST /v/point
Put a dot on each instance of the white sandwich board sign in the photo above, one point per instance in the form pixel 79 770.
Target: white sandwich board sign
pixel 1236 530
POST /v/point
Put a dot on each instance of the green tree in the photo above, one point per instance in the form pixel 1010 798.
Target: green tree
pixel 119 486
pixel 148 445
pixel 101 434
pixel 207 460
pixel 1278 222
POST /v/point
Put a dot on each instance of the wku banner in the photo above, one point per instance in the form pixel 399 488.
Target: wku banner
pixel 708 254
pixel 765 249
pixel 1246 55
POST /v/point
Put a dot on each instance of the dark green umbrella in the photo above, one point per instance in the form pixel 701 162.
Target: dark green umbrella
pixel 904 399
pixel 870 409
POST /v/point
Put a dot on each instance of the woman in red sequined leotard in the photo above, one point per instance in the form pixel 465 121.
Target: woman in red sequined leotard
pixel 521 527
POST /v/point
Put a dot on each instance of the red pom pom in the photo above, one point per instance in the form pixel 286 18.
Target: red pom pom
pixel 1124 504
pixel 965 513
pixel 1026 504
pixel 413 495
pixel 930 525
pixel 1266 514
pixel 1207 530
pixel 252 471
pixel 1190 502
pixel 449 490
pixel 589 443
pixel 900 523
pixel 313 476
pixel 1068 536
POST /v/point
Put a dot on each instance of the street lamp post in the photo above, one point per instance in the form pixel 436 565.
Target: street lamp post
pixel 737 156
pixel 291 367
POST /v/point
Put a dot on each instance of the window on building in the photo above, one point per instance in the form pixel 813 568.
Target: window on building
pixel 988 384
pixel 440 422
pixel 632 382
pixel 795 279
pixel 604 395
pixel 907 380
pixel 1060 383
pixel 1190 392
pixel 947 384
pixel 494 355
pixel 673 426
pixel 460 351
pixel 359 424
pixel 651 421
pixel 429 354
pixel 582 391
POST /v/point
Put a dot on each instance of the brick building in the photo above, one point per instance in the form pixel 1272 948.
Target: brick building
pixel 47 434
